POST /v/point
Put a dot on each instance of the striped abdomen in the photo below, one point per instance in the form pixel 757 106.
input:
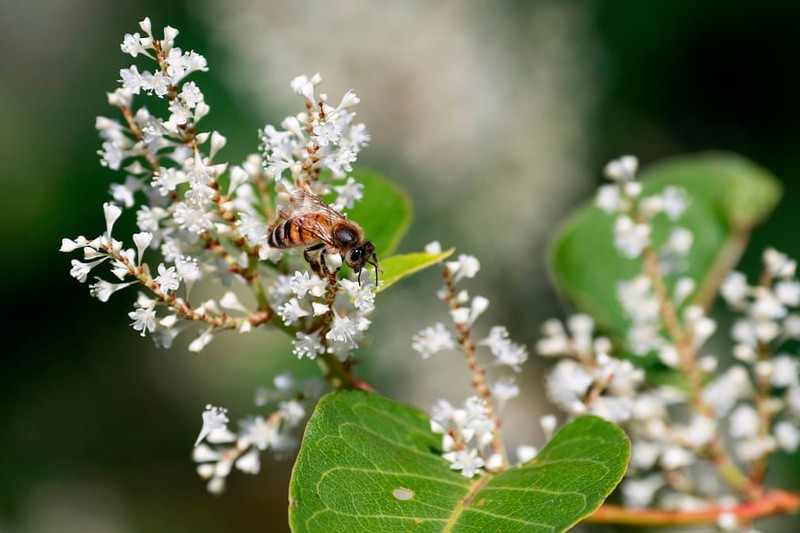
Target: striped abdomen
pixel 299 230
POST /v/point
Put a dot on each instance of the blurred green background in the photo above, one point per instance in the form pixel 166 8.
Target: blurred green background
pixel 497 117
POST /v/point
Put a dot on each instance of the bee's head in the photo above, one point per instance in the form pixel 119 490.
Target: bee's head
pixel 361 255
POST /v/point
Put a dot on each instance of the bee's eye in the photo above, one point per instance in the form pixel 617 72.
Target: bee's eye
pixel 355 254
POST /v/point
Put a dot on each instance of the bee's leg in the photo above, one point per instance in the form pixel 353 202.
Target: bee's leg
pixel 315 260
pixel 323 254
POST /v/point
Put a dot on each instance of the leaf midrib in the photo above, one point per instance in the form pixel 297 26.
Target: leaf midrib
pixel 466 501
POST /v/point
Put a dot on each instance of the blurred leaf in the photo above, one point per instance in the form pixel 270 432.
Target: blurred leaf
pixel 398 267
pixel 368 463
pixel 384 213
pixel 728 195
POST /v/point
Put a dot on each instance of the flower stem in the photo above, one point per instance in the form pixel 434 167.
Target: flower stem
pixel 770 503
pixel 687 356
pixel 478 372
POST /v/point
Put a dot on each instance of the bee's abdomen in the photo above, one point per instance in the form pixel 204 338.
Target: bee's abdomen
pixel 291 233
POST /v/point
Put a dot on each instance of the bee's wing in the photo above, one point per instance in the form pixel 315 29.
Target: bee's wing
pixel 303 201
pixel 321 232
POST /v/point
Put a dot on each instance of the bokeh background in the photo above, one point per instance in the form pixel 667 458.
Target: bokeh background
pixel 496 116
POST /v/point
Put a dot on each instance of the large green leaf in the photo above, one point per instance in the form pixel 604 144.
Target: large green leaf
pixel 728 196
pixel 368 463
pixel 384 213
pixel 400 266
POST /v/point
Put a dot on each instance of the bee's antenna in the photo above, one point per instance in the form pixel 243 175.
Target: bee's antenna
pixel 359 277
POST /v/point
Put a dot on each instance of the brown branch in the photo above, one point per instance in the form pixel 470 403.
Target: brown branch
pixel 773 502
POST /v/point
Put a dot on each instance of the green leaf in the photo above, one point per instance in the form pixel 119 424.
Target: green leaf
pixel 728 196
pixel 398 267
pixel 368 463
pixel 384 214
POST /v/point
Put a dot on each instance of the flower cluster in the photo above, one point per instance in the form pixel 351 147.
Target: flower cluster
pixel 641 296
pixel 677 430
pixel 218 449
pixel 199 219
pixel 471 439
pixel 588 380
pixel 765 411
pixel 185 222
pixel 321 138
pixel 328 318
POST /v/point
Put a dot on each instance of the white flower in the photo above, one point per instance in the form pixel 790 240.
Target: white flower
pixel 167 180
pixel 638 300
pixel 291 311
pixel 307 345
pixel 467 461
pixel 787 435
pixel 755 448
pixel 167 279
pixel 567 384
pixel 613 409
pixel 259 432
pixel 766 305
pixel 344 329
pixel 188 268
pixel 505 351
pixel 735 288
pixel 302 283
pixel 504 389
pixel 788 292
pixel 348 194
pixel 144 320
pixel 639 492
pixel 684 287
pixel 548 424
pixel 102 290
pixel 432 340
pixel 442 412
pixel 201 341
pixel 622 169
pixel 554 341
pixel 362 294
pixel 784 371
pixel 791 326
pixel 675 202
pixel 214 418
pixel 631 238
pixel 292 412
pixel 142 241
pixel 679 241
pixel 625 378
pixel 250 462
pixel 674 457
pixel 526 453
pixel 779 264
pixel 112 212
pixel 581 326
pixel 608 198
pixel 433 248
pixel 744 422
pixel 644 454
pixel 134 44
pixel 319 309
pixel 644 338
pixel 467 266
pixel 701 326
pixel 727 389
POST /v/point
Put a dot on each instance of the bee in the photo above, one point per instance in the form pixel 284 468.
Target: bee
pixel 309 220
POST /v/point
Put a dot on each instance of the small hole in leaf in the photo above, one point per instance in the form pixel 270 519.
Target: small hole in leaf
pixel 403 494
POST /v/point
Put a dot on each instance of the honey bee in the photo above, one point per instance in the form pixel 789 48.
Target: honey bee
pixel 309 220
